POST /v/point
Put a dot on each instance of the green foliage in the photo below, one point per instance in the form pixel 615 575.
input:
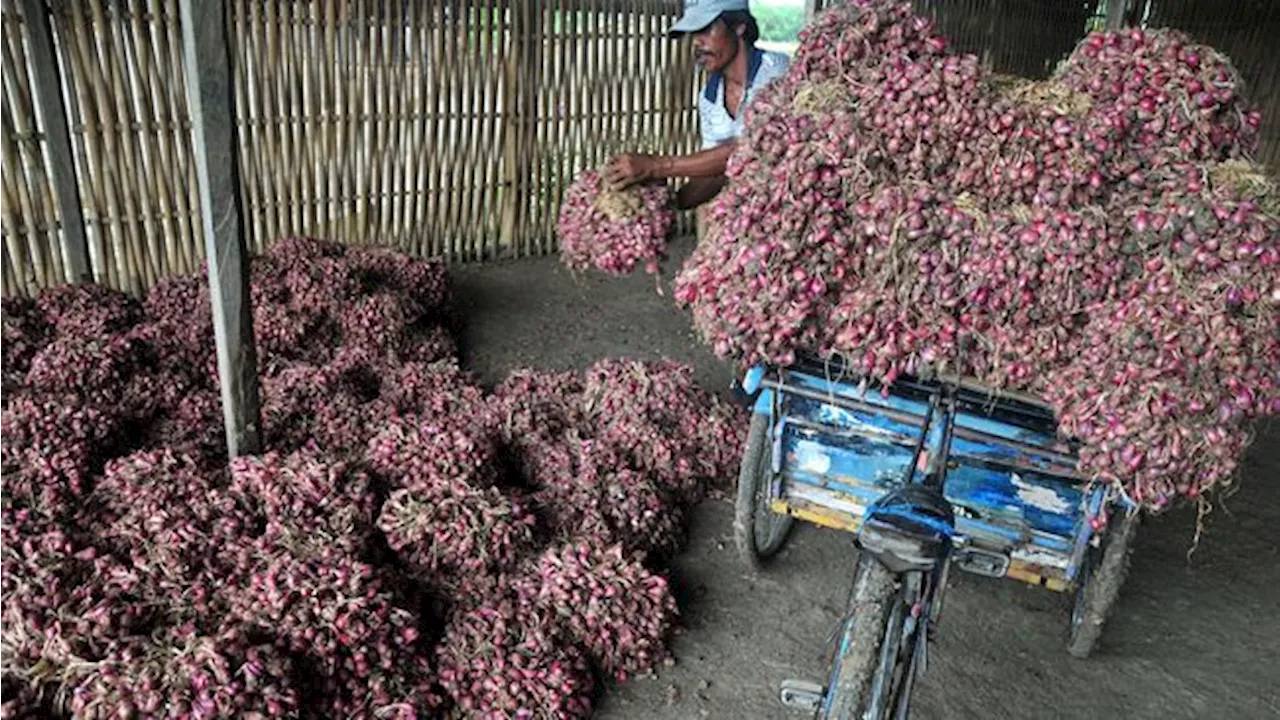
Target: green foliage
pixel 778 24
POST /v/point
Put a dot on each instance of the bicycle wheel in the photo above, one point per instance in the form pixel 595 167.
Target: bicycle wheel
pixel 1098 588
pixel 758 531
pixel 858 658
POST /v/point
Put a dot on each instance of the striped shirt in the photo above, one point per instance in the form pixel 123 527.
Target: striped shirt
pixel 717 126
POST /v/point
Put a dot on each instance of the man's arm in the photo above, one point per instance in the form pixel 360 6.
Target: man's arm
pixel 627 170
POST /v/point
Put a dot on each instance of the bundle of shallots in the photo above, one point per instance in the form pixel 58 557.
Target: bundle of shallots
pixel 614 230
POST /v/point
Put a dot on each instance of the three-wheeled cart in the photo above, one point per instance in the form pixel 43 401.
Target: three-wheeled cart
pixel 927 475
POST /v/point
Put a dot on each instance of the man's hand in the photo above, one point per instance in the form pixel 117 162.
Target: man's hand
pixel 627 170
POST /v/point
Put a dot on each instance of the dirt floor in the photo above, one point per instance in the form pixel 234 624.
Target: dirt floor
pixel 1188 639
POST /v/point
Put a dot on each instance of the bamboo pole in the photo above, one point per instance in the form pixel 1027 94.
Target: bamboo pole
pixel 511 106
pixel 416 177
pixel 309 169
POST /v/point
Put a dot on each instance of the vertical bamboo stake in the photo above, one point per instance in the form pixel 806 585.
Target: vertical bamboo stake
pixel 363 111
pixel 272 119
pixel 438 83
pixel 511 108
pixel 294 155
pixel 467 111
pixel 386 124
pixel 417 83
pixel 312 172
pixel 533 79
pixel 396 168
pixel 344 106
pixel 208 61
pixel 546 117
pixel 329 82
pixel 53 116
pixel 451 28
pixel 495 43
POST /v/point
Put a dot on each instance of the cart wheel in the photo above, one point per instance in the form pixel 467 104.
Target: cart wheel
pixel 859 655
pixel 1102 574
pixel 758 531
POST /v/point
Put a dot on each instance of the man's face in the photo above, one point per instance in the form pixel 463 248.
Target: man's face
pixel 715 46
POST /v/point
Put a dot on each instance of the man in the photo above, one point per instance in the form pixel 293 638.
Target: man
pixel 724 36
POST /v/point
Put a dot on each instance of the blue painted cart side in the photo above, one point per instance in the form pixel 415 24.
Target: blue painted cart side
pixel 839 445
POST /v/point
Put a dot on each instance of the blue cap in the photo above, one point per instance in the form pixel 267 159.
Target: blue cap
pixel 698 14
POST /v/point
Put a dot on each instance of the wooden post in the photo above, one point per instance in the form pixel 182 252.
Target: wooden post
pixel 1118 13
pixel 207 65
pixel 47 88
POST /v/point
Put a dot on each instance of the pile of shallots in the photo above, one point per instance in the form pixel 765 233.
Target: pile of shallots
pixel 614 230
pixel 406 546
pixel 1099 239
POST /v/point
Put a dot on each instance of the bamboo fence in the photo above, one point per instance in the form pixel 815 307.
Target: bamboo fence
pixel 441 128
pixel 437 127
pixel 1015 37
pixel 27 212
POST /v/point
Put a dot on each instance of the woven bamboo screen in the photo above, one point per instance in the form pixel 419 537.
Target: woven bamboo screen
pixel 1015 37
pixel 442 127
pixel 32 236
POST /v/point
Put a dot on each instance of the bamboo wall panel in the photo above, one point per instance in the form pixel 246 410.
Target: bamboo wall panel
pixel 373 121
pixel 29 218
pixel 122 68
pixel 441 128
pixel 607 83
pixel 445 128
pixel 1015 37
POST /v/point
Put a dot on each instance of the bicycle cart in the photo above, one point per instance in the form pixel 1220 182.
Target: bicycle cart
pixel 926 475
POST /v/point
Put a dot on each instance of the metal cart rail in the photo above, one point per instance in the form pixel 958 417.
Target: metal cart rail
pixel 926 475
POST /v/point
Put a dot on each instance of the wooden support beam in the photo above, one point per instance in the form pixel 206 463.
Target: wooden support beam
pixel 47 88
pixel 1118 12
pixel 207 65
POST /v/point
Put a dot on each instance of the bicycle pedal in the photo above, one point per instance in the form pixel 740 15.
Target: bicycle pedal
pixel 802 695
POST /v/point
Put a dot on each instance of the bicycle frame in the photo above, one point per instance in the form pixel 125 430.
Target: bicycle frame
pixel 909 531
pixel 924 474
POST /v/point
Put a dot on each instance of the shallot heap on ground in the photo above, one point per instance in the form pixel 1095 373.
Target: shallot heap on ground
pixel 407 545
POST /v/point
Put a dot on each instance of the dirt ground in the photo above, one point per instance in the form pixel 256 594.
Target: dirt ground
pixel 1188 639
